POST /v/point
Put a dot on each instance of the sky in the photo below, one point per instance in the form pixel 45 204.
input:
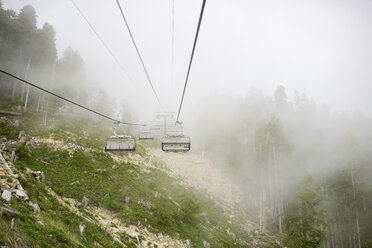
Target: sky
pixel 321 47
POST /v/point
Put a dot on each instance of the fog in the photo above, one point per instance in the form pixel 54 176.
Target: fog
pixel 320 48
pixel 276 91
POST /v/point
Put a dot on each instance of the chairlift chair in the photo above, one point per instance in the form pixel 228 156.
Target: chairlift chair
pixel 120 143
pixel 146 136
pixel 175 143
pixel 155 127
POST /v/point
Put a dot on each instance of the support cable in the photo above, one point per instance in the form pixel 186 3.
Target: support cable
pixel 138 53
pixel 172 76
pixel 70 101
pixel 102 41
pixel 192 56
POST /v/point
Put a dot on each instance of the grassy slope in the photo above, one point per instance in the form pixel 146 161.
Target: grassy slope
pixel 177 212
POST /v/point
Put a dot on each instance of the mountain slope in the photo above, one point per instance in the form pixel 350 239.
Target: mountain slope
pixel 118 199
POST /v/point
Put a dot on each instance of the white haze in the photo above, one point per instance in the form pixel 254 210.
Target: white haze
pixel 321 48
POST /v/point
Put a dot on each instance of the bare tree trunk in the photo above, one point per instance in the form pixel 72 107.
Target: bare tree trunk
pixel 15 81
pixel 350 242
pixel 263 208
pixel 25 77
pixel 263 197
pixel 356 211
pixel 38 104
pixel 357 227
pixel 26 101
pixel 45 117
pixel 14 89
pixel 333 239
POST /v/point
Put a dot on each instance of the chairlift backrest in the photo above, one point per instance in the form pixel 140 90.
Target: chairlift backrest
pixel 146 136
pixel 120 143
pixel 176 143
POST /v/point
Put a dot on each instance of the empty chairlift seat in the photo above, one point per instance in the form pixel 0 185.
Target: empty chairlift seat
pixel 120 143
pixel 175 143
pixel 146 136
pixel 155 127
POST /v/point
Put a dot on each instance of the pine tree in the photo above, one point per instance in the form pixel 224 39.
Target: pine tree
pixel 303 220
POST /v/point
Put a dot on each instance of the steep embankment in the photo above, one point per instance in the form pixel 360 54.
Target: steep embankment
pixel 198 172
pixel 82 197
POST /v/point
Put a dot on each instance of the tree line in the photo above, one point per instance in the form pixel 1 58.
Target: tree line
pixel 30 53
pixel 306 171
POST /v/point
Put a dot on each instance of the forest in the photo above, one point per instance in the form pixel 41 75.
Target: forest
pixel 305 170
pixel 296 161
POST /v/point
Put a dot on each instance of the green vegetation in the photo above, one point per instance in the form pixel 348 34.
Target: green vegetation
pixel 304 218
pixel 90 174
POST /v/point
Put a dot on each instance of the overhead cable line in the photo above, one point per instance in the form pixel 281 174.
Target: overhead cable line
pixel 102 41
pixel 192 56
pixel 70 101
pixel 139 54
pixel 172 76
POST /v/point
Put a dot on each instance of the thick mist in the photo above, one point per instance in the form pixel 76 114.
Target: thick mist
pixel 320 48
pixel 278 92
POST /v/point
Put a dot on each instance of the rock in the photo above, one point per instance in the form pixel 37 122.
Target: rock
pixel 74 140
pixel 231 234
pixel 82 228
pixel 28 171
pixel 157 194
pixel 21 193
pixel 35 206
pixel 12 222
pixel 133 235
pixel 206 244
pixel 42 177
pixel 40 221
pixel 188 242
pixel 127 199
pixel 160 235
pixel 12 158
pixel 101 170
pixel 32 142
pixel 16 123
pixel 21 134
pixel 114 167
pixel 45 160
pixel 7 195
pixel 78 204
pixel 119 242
pixel 85 201
pixel 76 182
pixel 145 204
pixel 11 145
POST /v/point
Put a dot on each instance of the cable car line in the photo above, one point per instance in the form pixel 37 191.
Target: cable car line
pixel 70 101
pixel 192 56
pixel 102 41
pixel 172 76
pixel 139 54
